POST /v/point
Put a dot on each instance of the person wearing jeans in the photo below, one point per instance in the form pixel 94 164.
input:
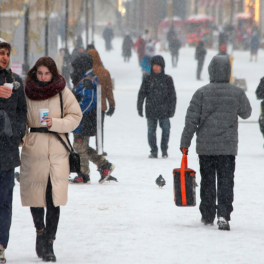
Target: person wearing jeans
pixel 159 91
pixel 13 117
pixel 152 139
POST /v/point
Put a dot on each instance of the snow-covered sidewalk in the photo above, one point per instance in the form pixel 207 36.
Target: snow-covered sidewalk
pixel 134 221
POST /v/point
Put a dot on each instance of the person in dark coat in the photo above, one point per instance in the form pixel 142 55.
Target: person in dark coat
pixel 213 116
pixel 200 53
pixel 254 46
pixel 174 46
pixel 108 35
pixel 127 47
pixel 159 91
pixel 260 96
pixel 13 118
pixel 85 91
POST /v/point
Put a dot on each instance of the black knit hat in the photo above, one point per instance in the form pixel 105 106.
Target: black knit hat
pixel 83 62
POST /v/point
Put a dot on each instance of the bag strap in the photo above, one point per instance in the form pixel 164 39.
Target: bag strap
pixel 66 134
pixel 85 78
pixel 183 167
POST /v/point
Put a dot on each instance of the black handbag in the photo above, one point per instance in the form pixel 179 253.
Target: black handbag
pixel 74 158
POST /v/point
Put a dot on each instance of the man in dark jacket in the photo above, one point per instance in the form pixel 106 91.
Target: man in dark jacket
pixel 108 35
pixel 174 46
pixel 213 115
pixel 160 94
pixel 13 118
pixel 200 53
pixel 85 91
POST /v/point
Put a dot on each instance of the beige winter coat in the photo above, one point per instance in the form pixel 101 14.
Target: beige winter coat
pixel 43 155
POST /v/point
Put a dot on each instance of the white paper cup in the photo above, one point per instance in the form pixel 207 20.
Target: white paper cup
pixel 9 85
pixel 42 113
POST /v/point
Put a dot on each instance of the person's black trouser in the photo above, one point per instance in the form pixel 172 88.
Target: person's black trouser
pixel 6 199
pixel 152 139
pixel 52 215
pixel 221 167
pixel 199 68
pixel 174 58
pixel 103 117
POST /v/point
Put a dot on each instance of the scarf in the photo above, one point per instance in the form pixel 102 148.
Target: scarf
pixel 36 92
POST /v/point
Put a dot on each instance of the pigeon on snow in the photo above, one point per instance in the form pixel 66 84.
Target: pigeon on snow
pixel 160 181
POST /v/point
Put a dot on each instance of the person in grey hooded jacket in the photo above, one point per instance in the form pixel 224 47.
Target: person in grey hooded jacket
pixel 213 116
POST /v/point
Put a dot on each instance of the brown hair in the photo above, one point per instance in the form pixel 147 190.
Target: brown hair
pixel 43 61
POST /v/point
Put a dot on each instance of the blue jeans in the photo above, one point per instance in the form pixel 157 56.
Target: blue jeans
pixel 6 199
pixel 152 139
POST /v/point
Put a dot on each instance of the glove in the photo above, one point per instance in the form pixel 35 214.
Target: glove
pixel 140 113
pixel 186 150
pixel 110 111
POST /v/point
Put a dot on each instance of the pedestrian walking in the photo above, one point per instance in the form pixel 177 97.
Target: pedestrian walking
pixel 174 46
pixel 105 81
pixel 139 47
pixel 260 96
pixel 127 47
pixel 159 91
pixel 45 166
pixel 108 35
pixel 13 118
pixel 85 86
pixel 213 116
pixel 254 46
pixel 146 61
pixel 200 54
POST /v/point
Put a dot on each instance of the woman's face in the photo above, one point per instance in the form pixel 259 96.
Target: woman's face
pixel 43 74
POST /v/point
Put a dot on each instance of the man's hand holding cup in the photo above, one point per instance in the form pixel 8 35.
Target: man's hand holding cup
pixel 6 90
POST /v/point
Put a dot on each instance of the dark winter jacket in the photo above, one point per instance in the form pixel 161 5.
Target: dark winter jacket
pixel 108 34
pixel 213 112
pixel 174 45
pixel 254 43
pixel 85 93
pixel 16 109
pixel 260 90
pixel 159 91
pixel 200 51
pixel 127 46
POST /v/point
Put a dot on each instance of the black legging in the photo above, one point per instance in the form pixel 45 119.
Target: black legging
pixel 52 215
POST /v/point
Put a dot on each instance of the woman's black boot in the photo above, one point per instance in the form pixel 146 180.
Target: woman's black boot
pixel 48 253
pixel 40 242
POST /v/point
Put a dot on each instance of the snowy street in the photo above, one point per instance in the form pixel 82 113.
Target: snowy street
pixel 136 222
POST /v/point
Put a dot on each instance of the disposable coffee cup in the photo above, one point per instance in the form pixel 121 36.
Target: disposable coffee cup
pixel 43 113
pixel 10 85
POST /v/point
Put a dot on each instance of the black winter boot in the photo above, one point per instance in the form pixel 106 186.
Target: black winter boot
pixel 40 242
pixel 48 253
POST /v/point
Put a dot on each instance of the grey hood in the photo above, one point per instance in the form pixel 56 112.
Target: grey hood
pixel 220 69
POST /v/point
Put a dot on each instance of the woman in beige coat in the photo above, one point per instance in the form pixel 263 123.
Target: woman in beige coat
pixel 44 160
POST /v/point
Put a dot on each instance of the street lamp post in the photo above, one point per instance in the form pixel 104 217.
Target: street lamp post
pixel 92 9
pixel 46 28
pixel 26 42
pixel 66 22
